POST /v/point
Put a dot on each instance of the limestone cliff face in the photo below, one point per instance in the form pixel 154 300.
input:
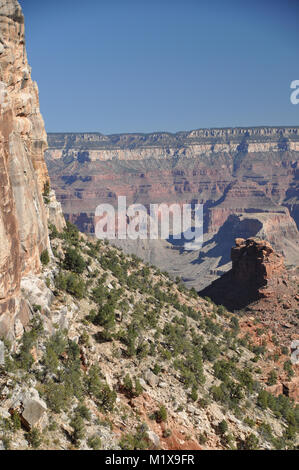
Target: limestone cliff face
pixel 164 145
pixel 23 172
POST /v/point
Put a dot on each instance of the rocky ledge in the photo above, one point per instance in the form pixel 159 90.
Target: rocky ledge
pixel 257 272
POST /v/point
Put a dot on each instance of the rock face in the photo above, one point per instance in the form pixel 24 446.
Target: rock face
pixel 258 272
pixel 246 178
pixel 255 265
pixel 23 172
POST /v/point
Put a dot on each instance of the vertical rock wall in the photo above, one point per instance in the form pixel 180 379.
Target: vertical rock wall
pixel 23 172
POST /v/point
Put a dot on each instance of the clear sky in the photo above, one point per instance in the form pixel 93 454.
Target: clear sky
pixel 117 66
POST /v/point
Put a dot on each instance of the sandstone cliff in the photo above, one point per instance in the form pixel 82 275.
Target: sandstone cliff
pixel 23 172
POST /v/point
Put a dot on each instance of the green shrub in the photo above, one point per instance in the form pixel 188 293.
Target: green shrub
pixel 56 397
pixel 16 420
pixel 136 441
pixel 210 351
pixel 202 439
pixel 71 283
pixel 222 427
pixel 131 390
pixel 287 366
pixel 78 426
pixel 46 191
pixel 251 442
pixel 25 359
pixel 194 394
pixel 34 438
pixel 44 257
pixel 84 412
pixel 104 396
pixel 161 414
pixel 75 286
pixel 73 261
pixel 272 378
pixel 94 443
pixel 71 233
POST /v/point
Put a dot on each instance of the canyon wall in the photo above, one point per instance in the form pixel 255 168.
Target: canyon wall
pixel 247 179
pixel 23 172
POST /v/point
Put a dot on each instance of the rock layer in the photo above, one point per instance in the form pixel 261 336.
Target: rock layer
pixel 23 172
pixel 246 178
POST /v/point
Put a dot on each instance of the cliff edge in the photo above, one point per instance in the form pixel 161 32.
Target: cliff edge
pixel 23 172
pixel 258 272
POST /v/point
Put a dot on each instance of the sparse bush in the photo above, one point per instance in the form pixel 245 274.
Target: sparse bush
pixel 71 233
pixel 84 412
pixel 34 438
pixel 161 414
pixel 166 433
pixel 251 442
pixel 16 420
pixel 156 369
pixel 202 439
pixel 222 427
pixel 56 397
pixel 44 257
pixel 136 441
pixel 287 366
pixel 104 396
pixel 194 394
pixel 78 426
pixel 94 443
pixel 71 283
pixel 131 390
pixel 272 378
pixel 73 261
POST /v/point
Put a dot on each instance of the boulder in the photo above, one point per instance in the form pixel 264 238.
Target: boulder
pixel 34 413
pixel 4 414
pixel 153 438
pixel 151 378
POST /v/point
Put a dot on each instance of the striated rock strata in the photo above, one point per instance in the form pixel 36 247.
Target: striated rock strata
pixel 247 179
pixel 23 172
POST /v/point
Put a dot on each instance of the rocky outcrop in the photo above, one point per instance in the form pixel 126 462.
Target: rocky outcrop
pixel 257 272
pixel 256 266
pixel 23 172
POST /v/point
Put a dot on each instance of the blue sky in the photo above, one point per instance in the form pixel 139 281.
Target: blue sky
pixel 116 66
